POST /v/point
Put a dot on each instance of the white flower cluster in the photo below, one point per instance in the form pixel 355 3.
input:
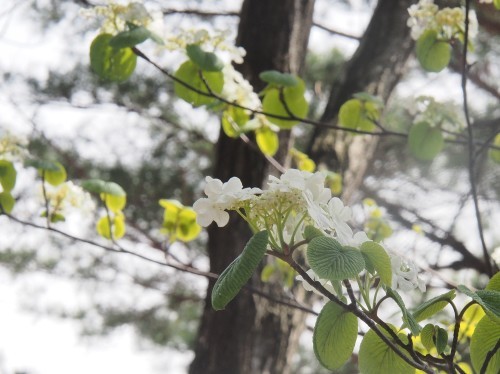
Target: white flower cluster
pixel 116 16
pixel 295 199
pixel 449 23
pixel 238 89
pixel 12 147
pixel 446 116
pixel 216 40
pixel 66 196
pixel 405 275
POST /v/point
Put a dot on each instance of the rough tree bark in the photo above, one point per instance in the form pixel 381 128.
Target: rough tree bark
pixel 376 67
pixel 253 335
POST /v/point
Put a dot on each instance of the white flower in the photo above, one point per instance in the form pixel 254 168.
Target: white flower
pixel 68 196
pixel 405 275
pixel 221 197
pixel 208 211
pixel 237 89
pixel 324 282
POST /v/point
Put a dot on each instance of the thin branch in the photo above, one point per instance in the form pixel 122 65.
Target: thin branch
pixel 472 158
pixel 178 266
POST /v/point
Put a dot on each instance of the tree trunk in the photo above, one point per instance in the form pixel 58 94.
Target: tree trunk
pixel 376 68
pixel 253 335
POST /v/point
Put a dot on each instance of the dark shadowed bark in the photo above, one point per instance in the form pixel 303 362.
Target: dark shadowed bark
pixel 376 67
pixel 253 335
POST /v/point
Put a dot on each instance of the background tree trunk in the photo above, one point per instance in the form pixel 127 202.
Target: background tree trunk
pixel 376 67
pixel 253 335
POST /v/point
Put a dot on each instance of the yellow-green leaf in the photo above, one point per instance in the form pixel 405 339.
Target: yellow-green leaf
pixel 116 230
pixel 295 101
pixel 495 153
pixel 6 202
pixel 267 140
pixel 434 55
pixel 233 119
pixel 8 175
pixel 114 64
pixel 425 141
pixel 55 177
pixel 189 73
pixel 115 203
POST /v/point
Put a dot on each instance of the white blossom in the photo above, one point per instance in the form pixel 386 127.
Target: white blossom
pixel 405 275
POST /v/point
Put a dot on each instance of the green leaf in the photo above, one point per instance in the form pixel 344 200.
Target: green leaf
pixel 494 283
pixel 267 273
pixel 239 271
pixel 441 337
pixel 311 232
pixel 484 339
pixel 408 318
pixel 432 306
pixel 206 61
pixel 130 38
pixel 54 177
pixel 267 140
pixel 45 165
pixel 330 260
pixel 494 154
pixel 8 175
pixel 425 141
pixel 334 336
pixel 433 55
pixel 376 357
pixel 376 257
pixel 104 228
pixel 6 202
pixel 496 3
pixel 427 336
pixel 115 203
pixel 189 73
pixel 101 187
pixel 278 78
pixel 358 115
pixel 488 299
pixel 113 64
pixel 295 101
pixel 232 120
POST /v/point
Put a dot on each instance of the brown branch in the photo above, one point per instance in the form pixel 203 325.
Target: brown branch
pixel 471 148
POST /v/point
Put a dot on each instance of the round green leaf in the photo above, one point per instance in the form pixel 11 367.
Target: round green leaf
pixel 495 153
pixel 425 141
pixel 8 175
pixel 206 61
pixel 130 38
pixel 6 202
pixel 239 271
pixel 55 177
pixel 295 101
pixel 280 79
pixel 187 227
pixel 484 339
pixel 334 336
pixel 189 73
pixel 376 257
pixel 103 227
pixel 330 260
pixel 114 64
pixel 101 187
pixel 433 55
pixel 267 140
pixel 358 115
pixel 115 203
pixel 376 357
